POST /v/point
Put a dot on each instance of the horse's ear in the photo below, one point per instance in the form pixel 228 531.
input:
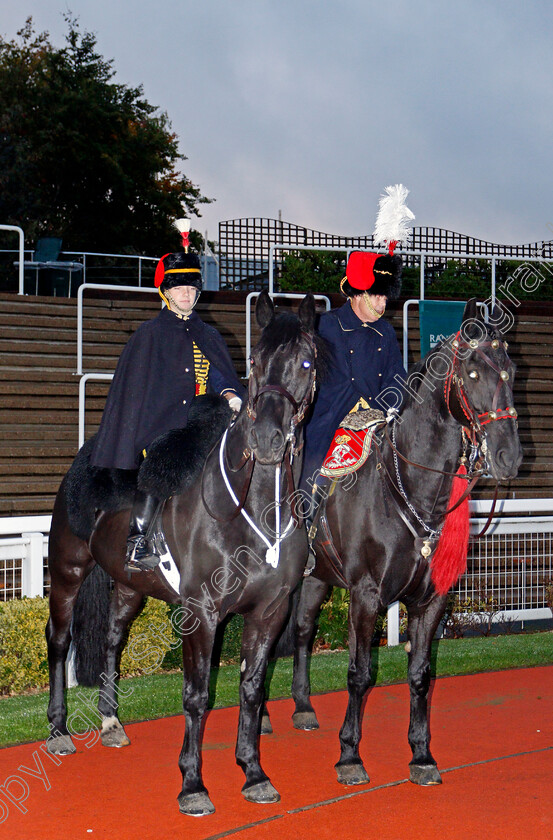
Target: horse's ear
pixel 471 310
pixel 306 313
pixel 264 309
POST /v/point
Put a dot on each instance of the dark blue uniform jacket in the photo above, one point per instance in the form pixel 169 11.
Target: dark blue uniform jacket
pixel 366 357
pixel 154 385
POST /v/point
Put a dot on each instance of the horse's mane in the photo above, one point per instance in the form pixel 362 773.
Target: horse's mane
pixel 287 329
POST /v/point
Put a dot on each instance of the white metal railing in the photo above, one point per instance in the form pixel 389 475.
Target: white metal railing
pixel 140 259
pixel 207 258
pixel 82 255
pixel 279 247
pixel 86 377
pixel 412 253
pixel 105 286
pixel 423 255
pixel 23 549
pixel 515 559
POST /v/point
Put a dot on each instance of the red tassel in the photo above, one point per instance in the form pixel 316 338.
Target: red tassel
pixel 450 558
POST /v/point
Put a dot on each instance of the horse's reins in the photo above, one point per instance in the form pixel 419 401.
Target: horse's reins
pixel 463 411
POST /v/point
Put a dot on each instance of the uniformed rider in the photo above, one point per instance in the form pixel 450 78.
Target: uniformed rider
pixel 364 352
pixel 166 363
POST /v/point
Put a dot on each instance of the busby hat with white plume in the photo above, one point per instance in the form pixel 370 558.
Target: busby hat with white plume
pixel 182 268
pixel 380 274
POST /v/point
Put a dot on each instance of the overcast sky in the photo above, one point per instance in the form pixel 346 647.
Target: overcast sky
pixel 312 107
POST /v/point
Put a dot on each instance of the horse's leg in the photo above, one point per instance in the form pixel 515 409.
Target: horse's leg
pixel 421 628
pixel 363 612
pixel 125 604
pixel 313 593
pixel 266 727
pixel 69 562
pixel 196 656
pixel 258 636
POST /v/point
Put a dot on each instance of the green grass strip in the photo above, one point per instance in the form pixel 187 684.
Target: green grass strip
pixel 23 718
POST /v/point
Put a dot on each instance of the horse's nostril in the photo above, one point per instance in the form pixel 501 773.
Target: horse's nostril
pixel 277 440
pixel 508 462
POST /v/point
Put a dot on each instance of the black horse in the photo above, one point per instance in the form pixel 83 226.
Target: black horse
pixel 227 563
pixel 377 536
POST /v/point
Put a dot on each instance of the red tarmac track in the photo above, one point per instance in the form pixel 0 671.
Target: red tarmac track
pixel 492 735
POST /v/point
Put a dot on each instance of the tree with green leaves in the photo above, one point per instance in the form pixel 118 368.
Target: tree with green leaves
pixel 82 157
pixel 312 271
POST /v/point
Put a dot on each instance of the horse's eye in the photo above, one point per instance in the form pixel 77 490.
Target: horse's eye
pixel 306 364
pixel 474 374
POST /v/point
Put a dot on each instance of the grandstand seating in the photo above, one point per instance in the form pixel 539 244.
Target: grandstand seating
pixel 39 388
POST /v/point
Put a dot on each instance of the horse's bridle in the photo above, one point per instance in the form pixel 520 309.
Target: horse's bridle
pixel 300 408
pixel 461 410
pixel 247 455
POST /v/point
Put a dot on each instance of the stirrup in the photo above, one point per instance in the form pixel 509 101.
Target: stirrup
pixel 311 562
pixel 140 556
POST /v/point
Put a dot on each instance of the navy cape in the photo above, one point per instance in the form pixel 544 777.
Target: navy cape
pixel 154 385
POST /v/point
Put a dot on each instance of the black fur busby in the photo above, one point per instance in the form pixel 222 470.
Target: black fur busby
pixel 377 274
pixel 179 269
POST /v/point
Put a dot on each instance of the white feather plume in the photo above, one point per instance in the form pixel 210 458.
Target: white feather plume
pixel 182 225
pixel 394 217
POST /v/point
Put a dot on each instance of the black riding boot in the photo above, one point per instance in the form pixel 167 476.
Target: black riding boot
pixel 142 553
pixel 318 493
pixel 311 559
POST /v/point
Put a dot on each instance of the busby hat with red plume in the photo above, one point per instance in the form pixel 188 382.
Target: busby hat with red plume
pixel 181 268
pixel 380 274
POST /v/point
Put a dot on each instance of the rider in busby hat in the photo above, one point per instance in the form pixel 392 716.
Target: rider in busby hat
pixel 166 363
pixel 363 346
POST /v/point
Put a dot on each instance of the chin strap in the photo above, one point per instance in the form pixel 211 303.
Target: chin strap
pixel 370 307
pixel 174 307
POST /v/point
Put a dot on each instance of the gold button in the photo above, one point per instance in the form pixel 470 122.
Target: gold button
pixel 184 402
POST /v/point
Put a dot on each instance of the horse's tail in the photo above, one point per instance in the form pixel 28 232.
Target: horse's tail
pixel 90 626
pixel 286 642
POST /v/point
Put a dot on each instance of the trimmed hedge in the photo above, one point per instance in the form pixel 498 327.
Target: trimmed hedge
pixel 152 644
pixel 23 658
pixel 23 655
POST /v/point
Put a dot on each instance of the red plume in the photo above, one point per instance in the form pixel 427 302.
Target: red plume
pixel 160 272
pixel 450 558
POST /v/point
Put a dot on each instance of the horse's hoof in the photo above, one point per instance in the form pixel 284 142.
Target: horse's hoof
pixel 263 793
pixel 113 734
pixel 60 745
pixel 196 804
pixel 305 720
pixel 266 725
pixel 352 774
pixel 424 774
